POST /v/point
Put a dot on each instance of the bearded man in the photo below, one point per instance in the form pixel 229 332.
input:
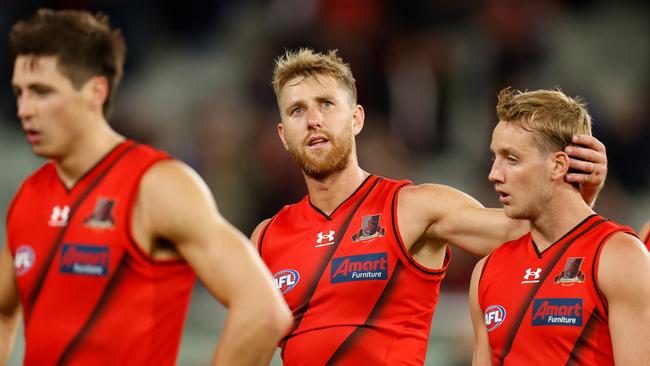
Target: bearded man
pixel 360 259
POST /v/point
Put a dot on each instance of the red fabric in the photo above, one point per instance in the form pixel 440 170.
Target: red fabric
pixel 356 296
pixel 546 308
pixel 90 296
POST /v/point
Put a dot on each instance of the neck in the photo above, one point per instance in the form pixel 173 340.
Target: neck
pixel 563 212
pixel 85 152
pixel 327 194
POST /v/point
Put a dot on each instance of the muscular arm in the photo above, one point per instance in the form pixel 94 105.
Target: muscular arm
pixel 623 273
pixel 482 354
pixel 439 214
pixel 9 305
pixel 181 209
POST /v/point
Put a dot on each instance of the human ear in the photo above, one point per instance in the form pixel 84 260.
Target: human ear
pixel 280 128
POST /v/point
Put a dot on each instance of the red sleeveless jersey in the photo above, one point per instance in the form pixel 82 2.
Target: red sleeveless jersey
pixel 357 296
pixel 546 308
pixel 89 295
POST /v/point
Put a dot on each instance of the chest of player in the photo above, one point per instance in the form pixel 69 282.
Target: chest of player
pixel 332 260
pixel 72 236
pixel 552 295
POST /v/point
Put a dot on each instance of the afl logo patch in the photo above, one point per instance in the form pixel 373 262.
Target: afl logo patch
pixel 286 280
pixel 494 316
pixel 24 259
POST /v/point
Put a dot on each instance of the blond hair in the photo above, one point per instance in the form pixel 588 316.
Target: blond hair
pixel 306 62
pixel 552 115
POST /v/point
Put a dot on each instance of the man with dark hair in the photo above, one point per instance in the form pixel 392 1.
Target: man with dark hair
pixel 105 240
pixel 361 258
pixel 574 290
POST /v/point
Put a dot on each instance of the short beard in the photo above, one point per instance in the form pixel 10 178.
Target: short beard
pixel 335 161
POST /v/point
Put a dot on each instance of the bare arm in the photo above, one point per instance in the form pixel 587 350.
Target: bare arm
pixel 482 354
pixel 9 305
pixel 623 273
pixel 442 214
pixel 181 209
pixel 591 160
pixel 255 236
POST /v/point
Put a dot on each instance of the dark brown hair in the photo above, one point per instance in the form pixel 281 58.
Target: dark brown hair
pixel 85 45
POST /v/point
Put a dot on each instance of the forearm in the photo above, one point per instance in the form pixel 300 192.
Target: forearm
pixel 250 339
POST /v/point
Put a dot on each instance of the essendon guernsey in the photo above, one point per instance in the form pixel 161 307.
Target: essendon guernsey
pixel 357 296
pixel 89 295
pixel 546 308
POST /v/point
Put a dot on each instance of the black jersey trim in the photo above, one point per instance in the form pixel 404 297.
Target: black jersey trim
pixel 94 315
pixel 402 246
pixel 485 264
pixel 73 209
pixel 575 228
pixel 596 262
pixel 329 217
pixel 581 341
pixel 260 240
pixel 304 307
pixel 520 317
pixel 132 198
pixel 348 344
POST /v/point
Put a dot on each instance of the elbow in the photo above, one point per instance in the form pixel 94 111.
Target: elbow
pixel 281 319
pixel 274 320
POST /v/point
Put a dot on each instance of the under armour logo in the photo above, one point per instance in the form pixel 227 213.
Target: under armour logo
pixel 59 216
pixel 325 239
pixel 536 274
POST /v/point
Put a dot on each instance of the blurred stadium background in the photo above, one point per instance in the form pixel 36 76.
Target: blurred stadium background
pixel 197 84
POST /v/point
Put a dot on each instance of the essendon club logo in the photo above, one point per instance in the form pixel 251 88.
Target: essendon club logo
pixel 571 273
pixel 102 216
pixel 370 228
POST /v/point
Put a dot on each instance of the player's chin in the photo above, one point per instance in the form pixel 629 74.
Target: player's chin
pixel 512 212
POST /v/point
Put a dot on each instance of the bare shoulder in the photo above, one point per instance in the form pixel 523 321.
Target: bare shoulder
pixel 623 257
pixel 173 202
pixel 171 175
pixel 258 230
pixel 623 247
pixel 478 269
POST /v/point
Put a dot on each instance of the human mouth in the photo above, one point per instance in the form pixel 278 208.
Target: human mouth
pixel 504 197
pixel 33 136
pixel 317 141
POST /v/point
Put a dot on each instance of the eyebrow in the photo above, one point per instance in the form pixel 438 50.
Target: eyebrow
pixel 31 86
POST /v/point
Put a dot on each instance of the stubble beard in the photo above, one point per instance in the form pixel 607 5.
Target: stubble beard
pixel 334 161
